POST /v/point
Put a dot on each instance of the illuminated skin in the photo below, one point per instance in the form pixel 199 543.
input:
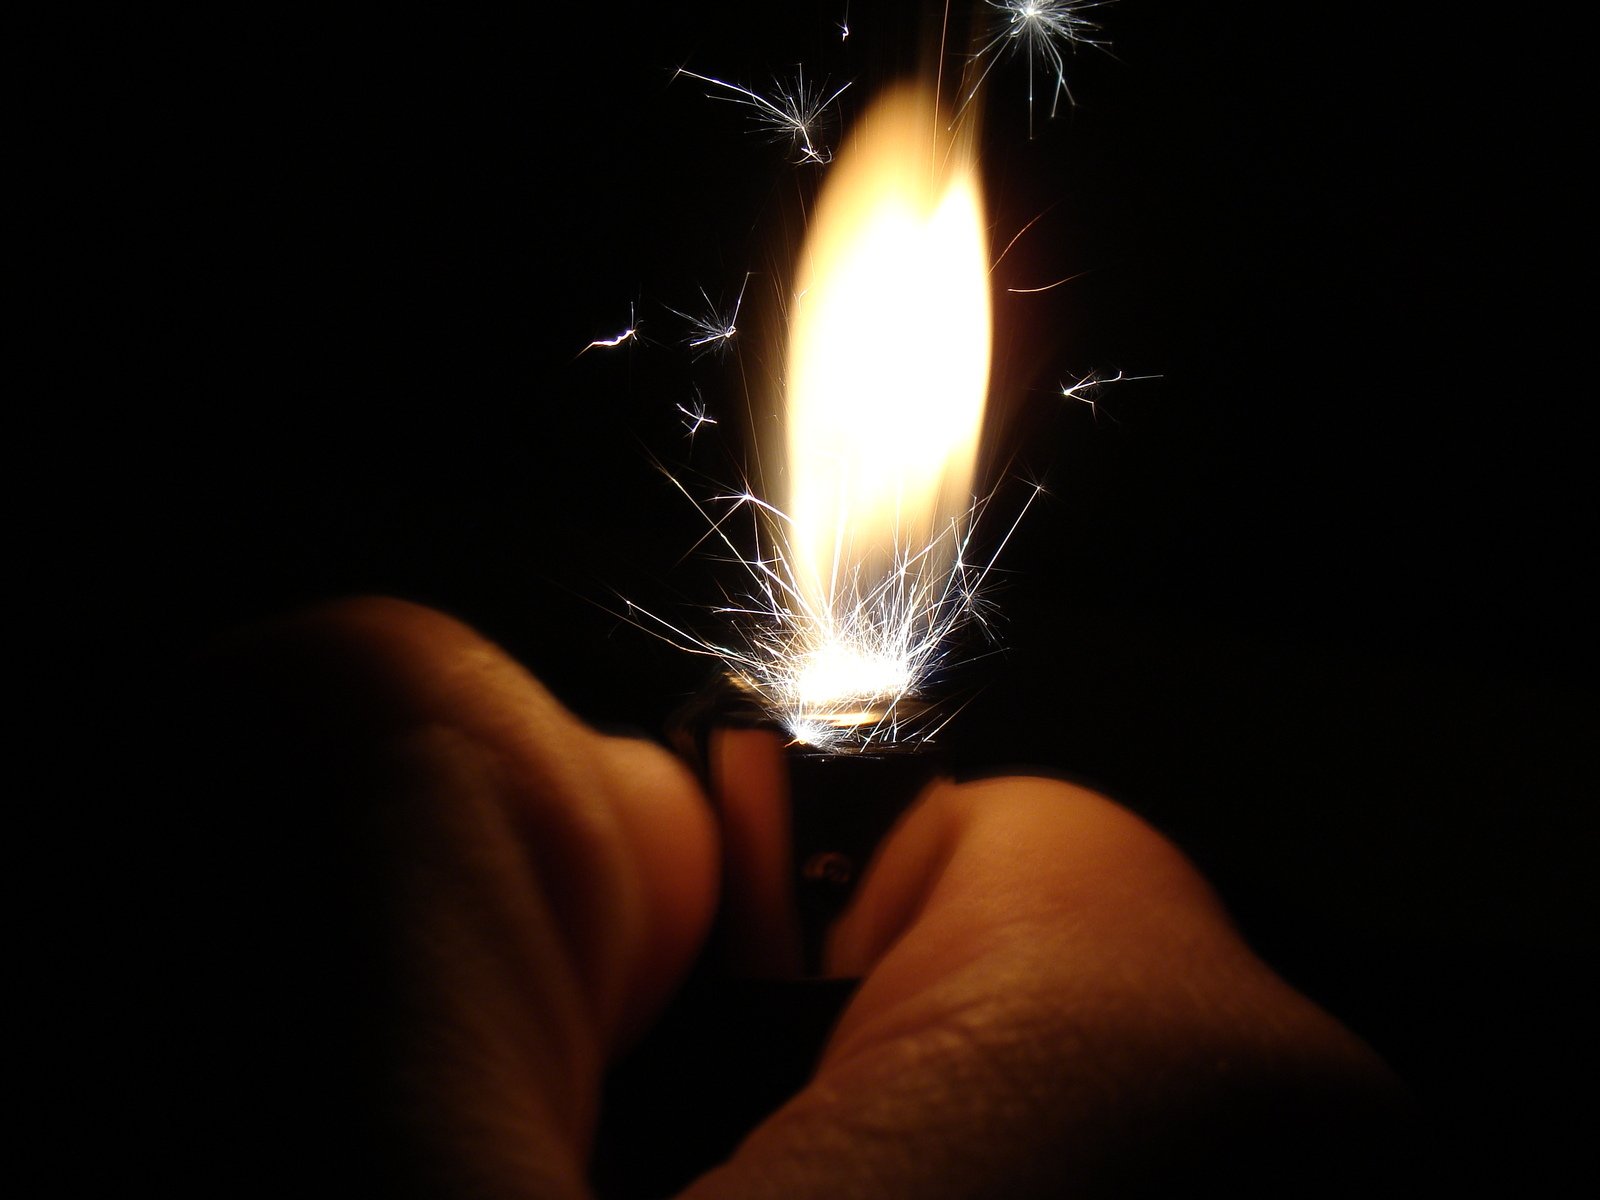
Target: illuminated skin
pixel 1052 999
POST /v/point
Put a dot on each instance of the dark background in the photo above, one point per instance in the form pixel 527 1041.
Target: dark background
pixel 1310 601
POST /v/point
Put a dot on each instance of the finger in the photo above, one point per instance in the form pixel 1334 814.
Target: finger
pixel 512 894
pixel 1054 1003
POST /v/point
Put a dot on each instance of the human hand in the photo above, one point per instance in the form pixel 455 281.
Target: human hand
pixel 1052 1000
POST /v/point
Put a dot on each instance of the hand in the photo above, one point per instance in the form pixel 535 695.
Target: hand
pixel 1052 1000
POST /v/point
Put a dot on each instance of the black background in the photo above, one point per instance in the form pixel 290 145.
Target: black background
pixel 1310 600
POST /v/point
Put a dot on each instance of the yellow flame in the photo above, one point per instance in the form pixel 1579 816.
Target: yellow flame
pixel 888 366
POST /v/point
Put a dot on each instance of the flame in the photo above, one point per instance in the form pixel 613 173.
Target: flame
pixel 888 366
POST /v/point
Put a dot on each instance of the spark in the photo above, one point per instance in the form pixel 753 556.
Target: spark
pixel 1047 287
pixel 715 330
pixel 794 113
pixel 1044 31
pixel 695 415
pixel 876 643
pixel 1087 389
pixel 844 25
pixel 1017 237
pixel 627 335
pixel 842 610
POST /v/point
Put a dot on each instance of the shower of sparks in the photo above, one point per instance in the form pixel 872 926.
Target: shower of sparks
pixel 793 113
pixel 714 330
pixel 695 415
pixel 1045 32
pixel 899 630
pixel 611 343
pixel 845 655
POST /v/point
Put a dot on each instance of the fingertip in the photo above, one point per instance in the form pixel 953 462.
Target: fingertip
pixel 1029 847
pixel 614 827
pixel 673 844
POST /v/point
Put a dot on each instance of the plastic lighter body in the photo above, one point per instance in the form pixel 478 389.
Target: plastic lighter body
pixel 800 825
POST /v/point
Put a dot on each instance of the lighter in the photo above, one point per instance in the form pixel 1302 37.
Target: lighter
pixel 800 823
pixel 799 827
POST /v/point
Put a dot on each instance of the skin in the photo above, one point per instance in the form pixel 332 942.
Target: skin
pixel 1053 1001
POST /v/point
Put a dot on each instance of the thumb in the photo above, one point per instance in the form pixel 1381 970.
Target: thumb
pixel 1054 1003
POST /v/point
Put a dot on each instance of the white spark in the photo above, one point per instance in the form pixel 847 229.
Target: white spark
pixel 1033 291
pixel 1045 31
pixel 627 335
pixel 694 415
pixel 715 330
pixel 1087 389
pixel 851 676
pixel 793 113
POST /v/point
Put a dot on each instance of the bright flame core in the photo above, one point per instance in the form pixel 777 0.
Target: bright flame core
pixel 888 366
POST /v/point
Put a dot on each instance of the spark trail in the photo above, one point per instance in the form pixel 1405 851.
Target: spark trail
pixel 713 330
pixel 793 113
pixel 900 629
pixel 1042 31
pixel 629 334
